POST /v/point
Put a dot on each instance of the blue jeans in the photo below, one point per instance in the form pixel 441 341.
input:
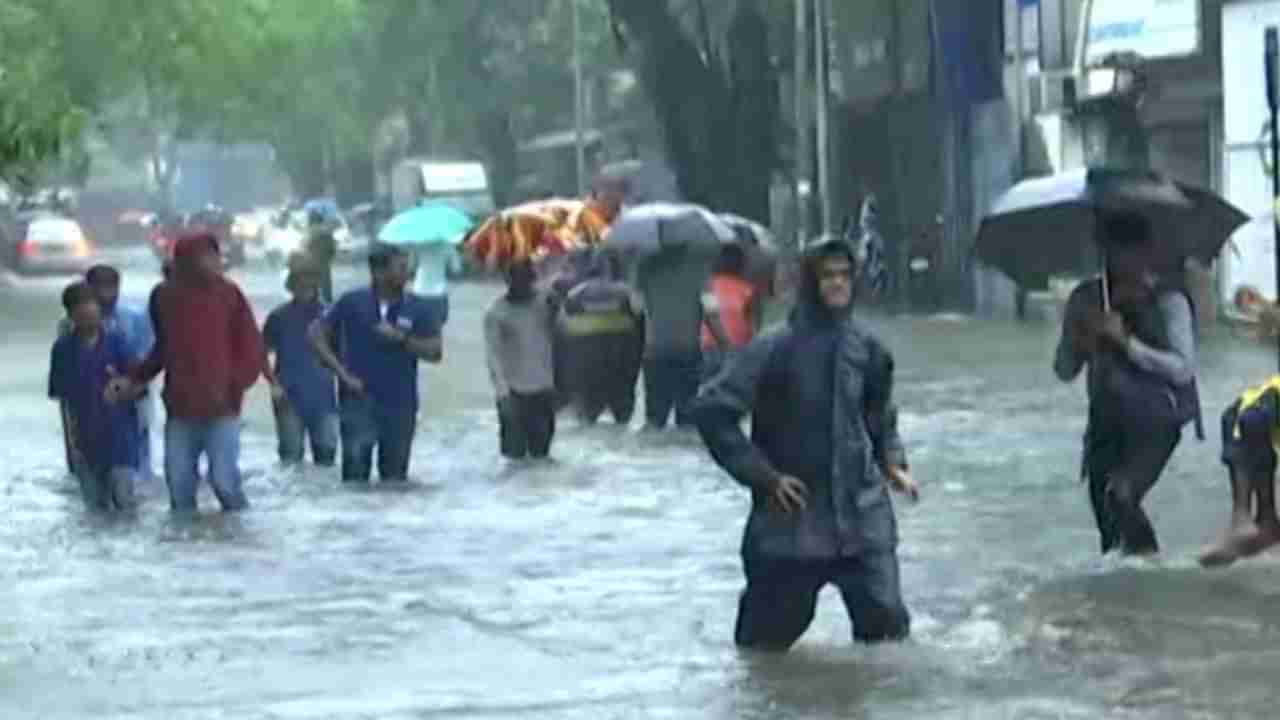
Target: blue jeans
pixel 108 489
pixel 367 424
pixel 219 441
pixel 292 432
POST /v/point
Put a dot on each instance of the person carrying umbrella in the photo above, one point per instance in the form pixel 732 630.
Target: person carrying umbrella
pixel 519 329
pixel 600 341
pixel 1136 333
pixel 430 233
pixel 673 248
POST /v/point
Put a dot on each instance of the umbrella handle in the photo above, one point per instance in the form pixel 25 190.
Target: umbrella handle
pixel 1106 289
pixel 1106 276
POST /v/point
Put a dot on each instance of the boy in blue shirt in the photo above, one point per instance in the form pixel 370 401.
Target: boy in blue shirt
pixel 103 431
pixel 380 333
pixel 302 389
pixel 134 327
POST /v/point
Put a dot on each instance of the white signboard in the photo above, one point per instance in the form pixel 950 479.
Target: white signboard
pixel 440 178
pixel 1150 28
pixel 1244 75
pixel 1250 260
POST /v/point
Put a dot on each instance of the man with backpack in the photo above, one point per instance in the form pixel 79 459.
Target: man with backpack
pixel 1136 334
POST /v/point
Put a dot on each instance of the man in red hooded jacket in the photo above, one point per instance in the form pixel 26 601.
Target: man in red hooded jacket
pixel 209 346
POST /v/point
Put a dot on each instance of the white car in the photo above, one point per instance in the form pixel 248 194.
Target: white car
pixel 351 247
pixel 283 236
pixel 49 243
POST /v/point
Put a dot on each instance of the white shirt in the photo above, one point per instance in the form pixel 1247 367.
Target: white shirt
pixel 432 276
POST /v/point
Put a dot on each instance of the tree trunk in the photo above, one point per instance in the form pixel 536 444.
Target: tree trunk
pixel 690 98
pixel 755 111
pixel 719 128
pixel 500 149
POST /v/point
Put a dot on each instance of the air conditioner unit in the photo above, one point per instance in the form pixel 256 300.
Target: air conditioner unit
pixel 1051 92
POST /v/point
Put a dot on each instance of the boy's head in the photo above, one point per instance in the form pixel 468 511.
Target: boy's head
pixel 196 256
pixel 389 266
pixel 733 261
pixel 521 279
pixel 303 280
pixel 1131 257
pixel 105 281
pixel 82 306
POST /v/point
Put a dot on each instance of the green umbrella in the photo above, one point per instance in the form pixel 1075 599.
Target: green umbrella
pixel 432 224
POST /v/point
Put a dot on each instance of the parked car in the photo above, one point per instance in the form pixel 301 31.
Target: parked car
pixel 285 234
pixel 50 243
pixel 351 246
pixel 215 220
pixel 166 229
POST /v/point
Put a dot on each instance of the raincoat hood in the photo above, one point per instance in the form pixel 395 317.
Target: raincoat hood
pixel 187 248
pixel 810 311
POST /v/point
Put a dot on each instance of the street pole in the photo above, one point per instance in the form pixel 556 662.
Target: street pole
pixel 1272 51
pixel 821 93
pixel 579 138
pixel 1020 91
pixel 803 178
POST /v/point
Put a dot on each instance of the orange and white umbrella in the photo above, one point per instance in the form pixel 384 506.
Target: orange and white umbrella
pixel 537 230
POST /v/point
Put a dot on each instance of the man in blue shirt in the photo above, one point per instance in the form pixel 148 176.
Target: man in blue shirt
pixel 380 334
pixel 302 388
pixel 102 428
pixel 134 328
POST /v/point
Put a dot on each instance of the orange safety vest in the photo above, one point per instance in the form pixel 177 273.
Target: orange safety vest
pixel 734 295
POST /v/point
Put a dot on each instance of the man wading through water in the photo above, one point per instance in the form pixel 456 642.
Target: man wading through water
pixel 1141 381
pixel 823 452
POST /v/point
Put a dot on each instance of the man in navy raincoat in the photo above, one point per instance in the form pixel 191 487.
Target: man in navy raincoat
pixel 823 453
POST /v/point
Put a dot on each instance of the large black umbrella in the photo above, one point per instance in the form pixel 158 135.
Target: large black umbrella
pixel 1048 226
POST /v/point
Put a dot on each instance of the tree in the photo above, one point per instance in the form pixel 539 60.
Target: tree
pixel 718 107
pixel 39 122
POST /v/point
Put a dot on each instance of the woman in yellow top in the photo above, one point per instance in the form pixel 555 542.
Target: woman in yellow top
pixel 1250 436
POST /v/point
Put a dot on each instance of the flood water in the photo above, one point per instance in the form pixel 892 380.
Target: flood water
pixel 605 585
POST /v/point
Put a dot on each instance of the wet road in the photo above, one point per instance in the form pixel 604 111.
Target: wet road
pixel 605 586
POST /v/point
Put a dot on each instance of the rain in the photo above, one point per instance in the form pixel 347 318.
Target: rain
pixel 968 158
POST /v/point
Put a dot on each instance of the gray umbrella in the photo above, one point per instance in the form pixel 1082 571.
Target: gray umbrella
pixel 648 230
pixel 761 250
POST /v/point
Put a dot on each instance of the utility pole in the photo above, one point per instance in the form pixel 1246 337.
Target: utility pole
pixel 578 111
pixel 803 174
pixel 1020 87
pixel 1271 60
pixel 821 93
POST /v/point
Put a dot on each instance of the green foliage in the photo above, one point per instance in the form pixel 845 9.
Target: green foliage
pixel 322 81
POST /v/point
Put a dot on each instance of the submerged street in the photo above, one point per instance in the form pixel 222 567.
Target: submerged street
pixel 605 585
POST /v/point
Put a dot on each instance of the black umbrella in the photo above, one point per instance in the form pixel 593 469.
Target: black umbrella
pixel 1047 226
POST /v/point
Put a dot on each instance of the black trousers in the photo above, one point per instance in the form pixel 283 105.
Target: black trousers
pixel 670 383
pixel 781 595
pixel 527 425
pixel 1119 483
pixel 600 372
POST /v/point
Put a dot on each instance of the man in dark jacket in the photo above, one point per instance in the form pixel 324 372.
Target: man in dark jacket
pixel 1143 348
pixel 208 345
pixel 823 452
